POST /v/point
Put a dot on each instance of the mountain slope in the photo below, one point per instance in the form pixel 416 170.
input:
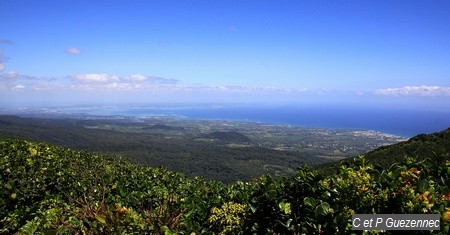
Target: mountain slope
pixel 434 146
pixel 227 137
pixel 213 160
pixel 48 189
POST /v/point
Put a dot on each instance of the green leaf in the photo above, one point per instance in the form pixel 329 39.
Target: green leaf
pixel 288 223
pixel 423 185
pixel 101 218
pixel 29 228
pixel 32 151
pixel 285 207
pixel 322 209
pixel 309 202
pixel 252 208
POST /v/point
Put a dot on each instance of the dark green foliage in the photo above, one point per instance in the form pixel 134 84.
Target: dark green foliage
pixel 163 127
pixel 227 137
pixel 55 190
pixel 214 161
pixel 435 147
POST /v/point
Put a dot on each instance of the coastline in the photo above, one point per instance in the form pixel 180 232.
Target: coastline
pixel 404 123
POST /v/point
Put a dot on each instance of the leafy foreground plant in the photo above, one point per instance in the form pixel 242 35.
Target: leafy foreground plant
pixel 53 190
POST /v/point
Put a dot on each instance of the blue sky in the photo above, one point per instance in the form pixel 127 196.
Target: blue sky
pixel 393 53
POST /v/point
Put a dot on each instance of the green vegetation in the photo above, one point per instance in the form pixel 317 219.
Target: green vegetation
pixel 56 190
pixel 213 160
pixel 217 150
pixel 227 137
pixel 434 146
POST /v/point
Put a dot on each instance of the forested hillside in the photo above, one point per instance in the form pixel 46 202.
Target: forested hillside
pixel 217 150
pixel 157 145
pixel 435 147
pixel 55 190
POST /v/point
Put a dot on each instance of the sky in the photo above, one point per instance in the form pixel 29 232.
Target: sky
pixel 380 53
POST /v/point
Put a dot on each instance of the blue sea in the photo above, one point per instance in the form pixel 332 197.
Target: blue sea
pixel 402 122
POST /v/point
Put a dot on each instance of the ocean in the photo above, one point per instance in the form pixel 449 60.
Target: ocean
pixel 402 122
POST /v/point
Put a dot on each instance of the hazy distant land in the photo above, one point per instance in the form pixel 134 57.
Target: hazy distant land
pixel 216 149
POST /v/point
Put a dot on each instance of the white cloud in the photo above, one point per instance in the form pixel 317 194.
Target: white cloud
pixel 14 81
pixel 94 77
pixel 137 83
pixel 73 51
pixel 161 80
pixel 121 86
pixel 12 75
pixel 18 87
pixel 415 91
pixel 137 77
pixel 2 67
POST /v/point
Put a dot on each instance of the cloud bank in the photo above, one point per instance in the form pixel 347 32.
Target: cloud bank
pixel 415 91
pixel 103 87
pixel 73 51
pixel 138 83
pixel 135 83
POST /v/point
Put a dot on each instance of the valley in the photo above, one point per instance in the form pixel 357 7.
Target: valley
pixel 215 149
